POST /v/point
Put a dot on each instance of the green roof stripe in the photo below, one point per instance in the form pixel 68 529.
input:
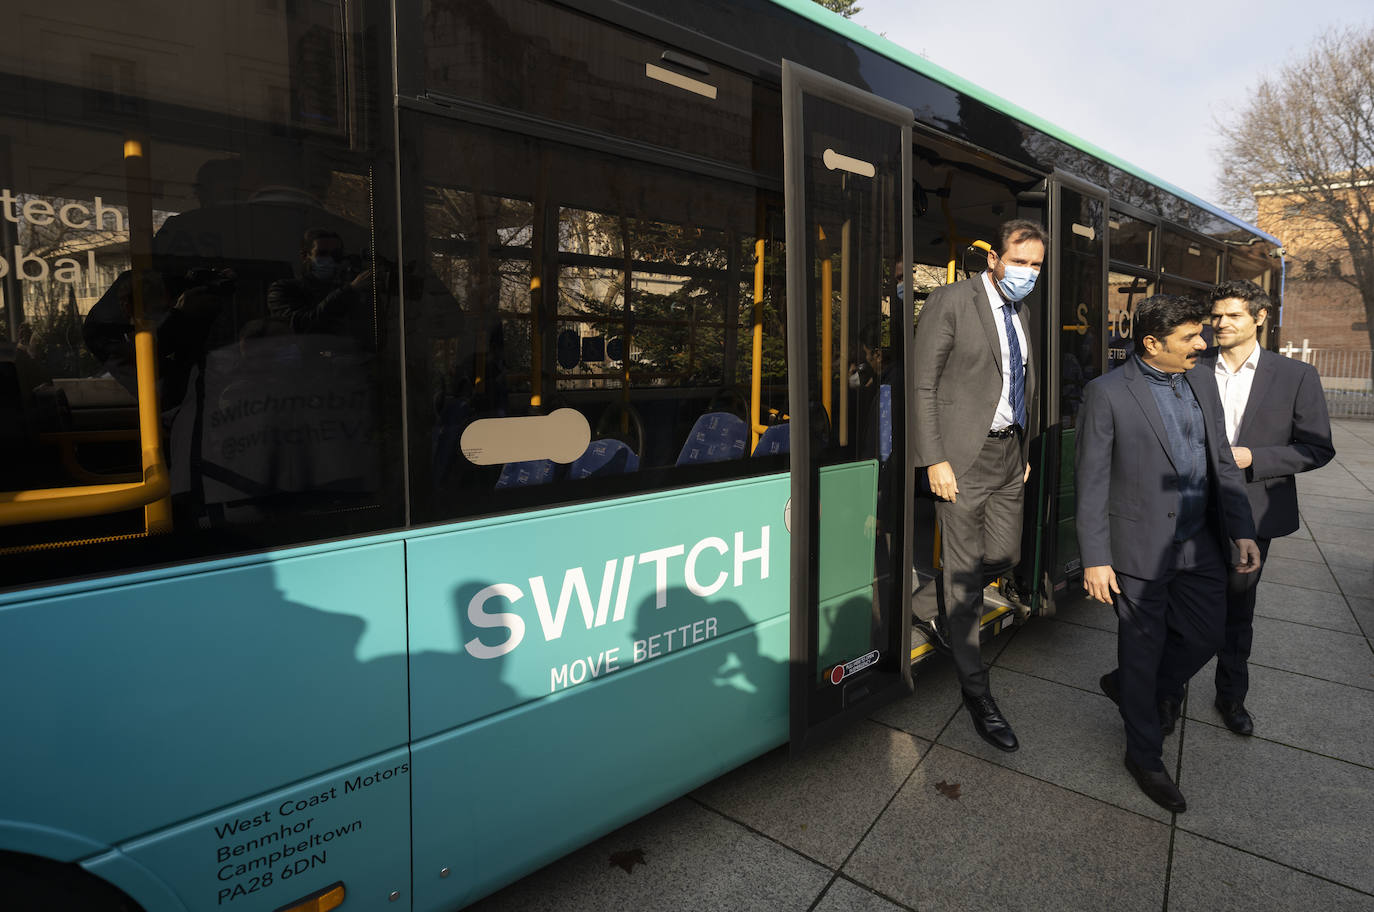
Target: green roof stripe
pixel 847 28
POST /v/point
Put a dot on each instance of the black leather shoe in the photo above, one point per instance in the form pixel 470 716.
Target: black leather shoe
pixel 1236 717
pixel 1158 787
pixel 1108 684
pixel 988 722
pixel 934 633
pixel 1169 711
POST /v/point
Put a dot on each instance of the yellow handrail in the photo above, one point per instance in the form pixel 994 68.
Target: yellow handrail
pixel 48 504
pixel 756 378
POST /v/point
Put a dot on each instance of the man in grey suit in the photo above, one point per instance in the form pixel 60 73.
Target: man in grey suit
pixel 1276 424
pixel 975 385
pixel 1159 501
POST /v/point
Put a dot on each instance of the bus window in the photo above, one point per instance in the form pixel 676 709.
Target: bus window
pixel 542 59
pixel 1124 292
pixel 1131 240
pixel 563 279
pixel 1190 259
pixel 228 222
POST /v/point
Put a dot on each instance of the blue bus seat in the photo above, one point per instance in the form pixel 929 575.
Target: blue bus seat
pixel 607 456
pixel 526 474
pixel 774 440
pixel 716 437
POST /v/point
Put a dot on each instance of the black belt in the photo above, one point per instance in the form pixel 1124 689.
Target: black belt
pixel 1003 433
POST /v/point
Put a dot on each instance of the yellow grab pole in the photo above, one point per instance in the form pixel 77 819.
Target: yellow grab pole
pixel 756 378
pixel 536 346
pixel 157 515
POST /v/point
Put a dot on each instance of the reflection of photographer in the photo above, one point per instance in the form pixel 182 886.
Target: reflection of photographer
pixel 181 308
pixel 329 298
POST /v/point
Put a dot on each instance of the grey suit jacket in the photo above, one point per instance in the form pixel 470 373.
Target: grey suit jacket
pixel 1286 427
pixel 959 375
pixel 1127 486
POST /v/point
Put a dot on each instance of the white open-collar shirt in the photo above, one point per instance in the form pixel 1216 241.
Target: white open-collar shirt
pixel 1234 387
pixel 1004 416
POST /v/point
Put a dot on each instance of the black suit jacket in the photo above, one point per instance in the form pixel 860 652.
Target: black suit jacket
pixel 1286 427
pixel 1127 486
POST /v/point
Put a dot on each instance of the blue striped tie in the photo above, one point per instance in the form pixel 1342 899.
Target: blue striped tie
pixel 1018 370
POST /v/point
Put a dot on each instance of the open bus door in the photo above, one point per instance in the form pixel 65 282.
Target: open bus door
pixel 1078 265
pixel 847 162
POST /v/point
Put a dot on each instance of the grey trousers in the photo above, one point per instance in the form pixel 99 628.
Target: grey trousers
pixel 980 538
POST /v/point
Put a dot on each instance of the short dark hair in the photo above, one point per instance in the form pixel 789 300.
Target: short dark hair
pixel 1254 297
pixel 314 234
pixel 1158 315
pixel 1018 230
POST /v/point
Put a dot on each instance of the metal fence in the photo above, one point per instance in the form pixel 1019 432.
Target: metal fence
pixel 1346 378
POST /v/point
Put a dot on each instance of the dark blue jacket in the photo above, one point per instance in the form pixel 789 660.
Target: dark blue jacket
pixel 1127 489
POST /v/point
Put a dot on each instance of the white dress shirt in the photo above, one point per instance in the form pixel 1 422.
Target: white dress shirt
pixel 1004 416
pixel 1234 387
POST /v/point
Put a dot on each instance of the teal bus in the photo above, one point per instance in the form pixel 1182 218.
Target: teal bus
pixel 436 432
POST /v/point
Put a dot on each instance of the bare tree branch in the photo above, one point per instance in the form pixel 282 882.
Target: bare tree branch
pixel 1299 155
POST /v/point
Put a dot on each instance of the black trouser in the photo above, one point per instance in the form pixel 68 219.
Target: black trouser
pixel 1233 675
pixel 1169 628
pixel 980 537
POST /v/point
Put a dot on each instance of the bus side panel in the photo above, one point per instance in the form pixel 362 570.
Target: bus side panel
pixel 500 798
pixel 352 825
pixel 187 693
pixel 508 612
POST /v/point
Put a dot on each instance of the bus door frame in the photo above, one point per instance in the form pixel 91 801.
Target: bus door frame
pixel 1055 578
pixel 811 722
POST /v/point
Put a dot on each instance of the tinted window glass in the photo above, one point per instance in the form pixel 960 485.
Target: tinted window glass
pixel 173 180
pixel 538 58
pixel 1190 259
pixel 1124 292
pixel 1191 289
pixel 1080 338
pixel 1248 266
pixel 1132 240
pixel 609 298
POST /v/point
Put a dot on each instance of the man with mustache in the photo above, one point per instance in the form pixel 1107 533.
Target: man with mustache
pixel 1160 501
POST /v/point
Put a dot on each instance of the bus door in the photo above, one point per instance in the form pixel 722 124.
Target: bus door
pixel 1078 265
pixel 847 161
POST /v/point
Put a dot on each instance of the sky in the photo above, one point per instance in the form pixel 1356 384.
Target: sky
pixel 1144 81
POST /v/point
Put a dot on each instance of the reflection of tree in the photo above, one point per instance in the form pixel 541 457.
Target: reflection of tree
pixel 681 277
pixel 846 8
pixel 1303 144
pixel 1129 188
pixel 481 252
pixel 53 305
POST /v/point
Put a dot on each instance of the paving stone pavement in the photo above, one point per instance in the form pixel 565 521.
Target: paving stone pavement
pixel 871 822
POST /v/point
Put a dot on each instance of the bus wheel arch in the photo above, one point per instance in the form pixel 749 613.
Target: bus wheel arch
pixel 31 883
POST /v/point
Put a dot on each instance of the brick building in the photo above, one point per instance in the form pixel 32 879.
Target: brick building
pixel 1320 303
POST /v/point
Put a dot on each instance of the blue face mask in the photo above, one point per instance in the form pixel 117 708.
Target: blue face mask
pixel 1017 282
pixel 324 268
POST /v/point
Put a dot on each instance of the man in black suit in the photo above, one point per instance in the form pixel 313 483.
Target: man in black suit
pixel 1159 502
pixel 1276 424
pixel 975 386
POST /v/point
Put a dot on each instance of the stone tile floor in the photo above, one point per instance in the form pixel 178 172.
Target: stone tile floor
pixel 873 822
